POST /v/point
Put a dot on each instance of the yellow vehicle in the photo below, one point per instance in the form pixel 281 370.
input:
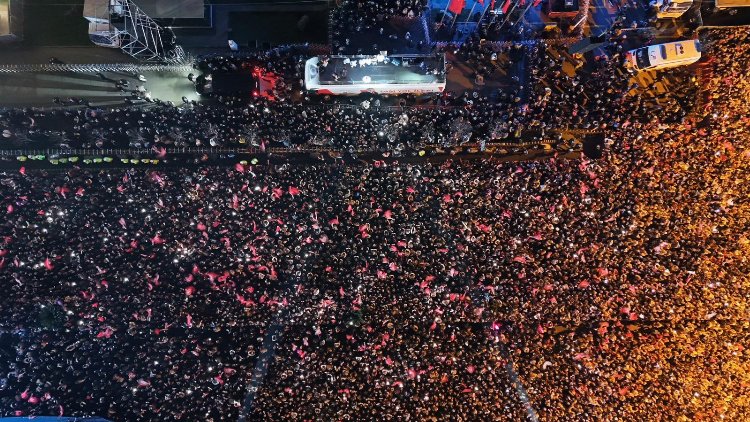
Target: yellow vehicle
pixel 671 9
pixel 724 4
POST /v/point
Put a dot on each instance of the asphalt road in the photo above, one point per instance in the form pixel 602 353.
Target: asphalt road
pixel 39 89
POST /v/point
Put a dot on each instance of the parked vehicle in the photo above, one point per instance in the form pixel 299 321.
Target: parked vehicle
pixel 663 56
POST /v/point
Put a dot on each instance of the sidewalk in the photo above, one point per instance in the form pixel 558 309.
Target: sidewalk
pixel 73 55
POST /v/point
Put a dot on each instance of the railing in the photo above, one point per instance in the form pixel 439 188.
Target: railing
pixel 312 49
pixel 94 68
pixel 121 152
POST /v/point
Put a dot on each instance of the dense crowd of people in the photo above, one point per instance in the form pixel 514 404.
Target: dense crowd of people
pixel 352 16
pixel 548 101
pixel 453 290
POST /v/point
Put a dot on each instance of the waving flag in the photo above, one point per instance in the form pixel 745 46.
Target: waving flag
pixel 456 6
pixel 506 6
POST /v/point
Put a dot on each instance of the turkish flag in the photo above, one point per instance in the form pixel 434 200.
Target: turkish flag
pixel 456 6
pixel 506 6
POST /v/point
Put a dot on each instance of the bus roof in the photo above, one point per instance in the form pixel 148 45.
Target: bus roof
pixel 381 74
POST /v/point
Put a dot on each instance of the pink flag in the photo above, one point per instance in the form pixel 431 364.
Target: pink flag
pixel 583 188
pixel 161 152
pixel 157 240
pixel 107 333
pixel 48 264
pixel 189 319
pixel 64 190
pixel 520 258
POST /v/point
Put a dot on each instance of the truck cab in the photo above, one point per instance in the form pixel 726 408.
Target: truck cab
pixel 671 9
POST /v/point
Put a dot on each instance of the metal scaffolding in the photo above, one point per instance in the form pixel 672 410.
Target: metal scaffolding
pixel 140 36
pixel 121 23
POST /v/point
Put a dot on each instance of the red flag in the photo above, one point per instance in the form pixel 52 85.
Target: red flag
pixel 492 5
pixel 481 2
pixel 506 6
pixel 456 6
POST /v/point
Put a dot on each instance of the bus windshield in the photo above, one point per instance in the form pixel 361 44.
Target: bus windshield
pixel 641 58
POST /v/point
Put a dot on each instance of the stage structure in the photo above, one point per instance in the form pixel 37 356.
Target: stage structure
pixel 122 24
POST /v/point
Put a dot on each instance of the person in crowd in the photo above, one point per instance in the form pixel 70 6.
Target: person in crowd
pixel 563 289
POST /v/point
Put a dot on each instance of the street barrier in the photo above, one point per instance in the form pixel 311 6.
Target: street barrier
pixel 94 68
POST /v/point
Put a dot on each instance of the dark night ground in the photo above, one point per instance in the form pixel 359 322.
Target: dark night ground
pixel 61 23
pixel 55 22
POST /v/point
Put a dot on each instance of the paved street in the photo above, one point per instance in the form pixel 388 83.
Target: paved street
pixel 41 55
pixel 39 89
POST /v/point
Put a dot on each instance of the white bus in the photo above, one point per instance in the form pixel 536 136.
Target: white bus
pixel 381 74
pixel 663 56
